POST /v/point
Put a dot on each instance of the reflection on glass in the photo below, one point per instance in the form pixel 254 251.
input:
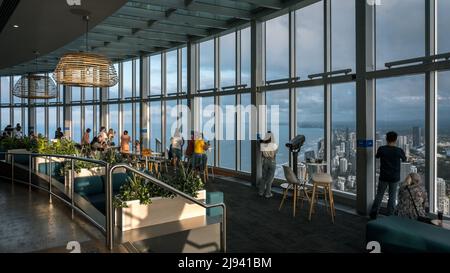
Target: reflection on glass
pixel 171 120
pixel 114 91
pixel 184 86
pixel 40 121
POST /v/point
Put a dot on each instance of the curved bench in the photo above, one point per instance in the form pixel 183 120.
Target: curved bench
pixel 397 234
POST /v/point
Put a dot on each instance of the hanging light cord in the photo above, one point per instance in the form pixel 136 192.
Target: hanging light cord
pixel 87 31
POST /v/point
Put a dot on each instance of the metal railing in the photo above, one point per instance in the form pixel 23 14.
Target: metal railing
pixel 10 156
pixel 223 224
pixel 108 228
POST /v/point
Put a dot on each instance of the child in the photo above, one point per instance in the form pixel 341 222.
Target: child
pixel 390 162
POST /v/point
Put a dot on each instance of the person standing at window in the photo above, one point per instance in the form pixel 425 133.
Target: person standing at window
pixel 269 149
pixel 177 144
pixel 58 134
pixel 390 157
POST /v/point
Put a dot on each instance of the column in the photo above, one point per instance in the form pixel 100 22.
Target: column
pixel 257 79
pixel 144 92
pixel 365 105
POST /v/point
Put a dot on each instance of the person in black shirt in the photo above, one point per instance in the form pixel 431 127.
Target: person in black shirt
pixel 390 162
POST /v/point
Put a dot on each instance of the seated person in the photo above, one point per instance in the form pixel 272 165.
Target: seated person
pixel 405 207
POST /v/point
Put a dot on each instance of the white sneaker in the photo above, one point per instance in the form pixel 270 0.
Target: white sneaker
pixel 269 196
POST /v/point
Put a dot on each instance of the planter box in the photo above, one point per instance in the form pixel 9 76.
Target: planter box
pixel 41 164
pixel 161 210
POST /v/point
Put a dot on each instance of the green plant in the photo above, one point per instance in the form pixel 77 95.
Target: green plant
pixel 140 189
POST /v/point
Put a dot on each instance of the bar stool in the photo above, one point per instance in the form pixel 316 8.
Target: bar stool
pixel 322 181
pixel 296 185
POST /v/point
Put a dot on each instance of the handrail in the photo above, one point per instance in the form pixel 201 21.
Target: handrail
pixel 110 233
pixel 109 229
pixel 70 203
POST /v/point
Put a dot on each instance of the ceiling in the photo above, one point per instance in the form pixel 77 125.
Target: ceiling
pixel 120 29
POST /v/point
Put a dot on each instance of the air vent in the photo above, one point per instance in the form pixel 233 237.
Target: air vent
pixel 7 8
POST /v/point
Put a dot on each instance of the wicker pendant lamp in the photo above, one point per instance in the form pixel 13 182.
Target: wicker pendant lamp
pixel 35 86
pixel 85 69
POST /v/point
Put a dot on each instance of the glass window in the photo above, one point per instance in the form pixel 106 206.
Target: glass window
pixel 171 120
pixel 76 123
pixel 155 75
pixel 277 48
pixel 443 144
pixel 443 28
pixel 245 137
pixel 228 60
pixel 343 137
pixel 137 92
pixel 184 86
pixel 88 94
pixel 400 107
pixel 5 90
pixel 400 30
pixel 207 125
pixel 309 40
pixel 52 121
pixel 127 74
pixel 227 139
pixel 17 115
pixel 127 124
pixel 172 71
pixel 310 122
pixel 246 57
pixel 114 91
pixel 16 99
pixel 114 121
pixel 155 126
pixel 343 34
pixel 40 120
pixel 137 117
pixel 5 117
pixel 76 93
pixel 207 64
pixel 278 123
pixel 89 119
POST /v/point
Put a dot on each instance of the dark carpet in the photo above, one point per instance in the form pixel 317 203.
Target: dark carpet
pixel 254 224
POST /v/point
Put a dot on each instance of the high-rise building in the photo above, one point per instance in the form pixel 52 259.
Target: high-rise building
pixel 417 137
pixel 343 150
pixel 343 165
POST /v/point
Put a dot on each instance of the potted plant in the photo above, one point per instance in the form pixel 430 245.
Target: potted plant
pixel 141 203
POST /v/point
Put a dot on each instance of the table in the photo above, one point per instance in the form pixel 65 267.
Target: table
pixel 444 223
